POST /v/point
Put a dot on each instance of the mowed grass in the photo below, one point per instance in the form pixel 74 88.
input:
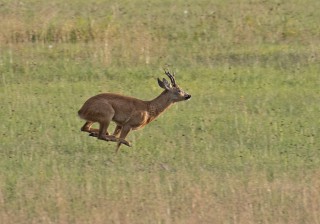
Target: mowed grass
pixel 244 149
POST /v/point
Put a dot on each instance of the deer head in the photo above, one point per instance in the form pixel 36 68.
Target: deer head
pixel 175 91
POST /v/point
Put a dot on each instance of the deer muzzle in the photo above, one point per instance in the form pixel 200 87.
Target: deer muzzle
pixel 187 96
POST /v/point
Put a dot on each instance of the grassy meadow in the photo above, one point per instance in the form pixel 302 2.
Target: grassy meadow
pixel 245 148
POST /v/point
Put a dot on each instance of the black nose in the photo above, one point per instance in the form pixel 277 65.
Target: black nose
pixel 188 97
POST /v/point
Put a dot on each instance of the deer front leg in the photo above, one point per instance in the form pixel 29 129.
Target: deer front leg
pixel 124 132
pixel 117 131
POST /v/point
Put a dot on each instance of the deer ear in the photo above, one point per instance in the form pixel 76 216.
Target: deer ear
pixel 161 84
pixel 164 84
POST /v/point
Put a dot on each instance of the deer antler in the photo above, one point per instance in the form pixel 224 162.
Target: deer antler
pixel 171 77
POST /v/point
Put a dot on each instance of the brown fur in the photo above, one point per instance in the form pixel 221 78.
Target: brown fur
pixel 127 112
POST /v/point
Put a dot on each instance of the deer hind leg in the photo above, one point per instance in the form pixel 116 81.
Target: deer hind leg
pixel 87 128
pixel 93 131
pixel 102 136
pixel 103 133
pixel 103 116
pixel 124 132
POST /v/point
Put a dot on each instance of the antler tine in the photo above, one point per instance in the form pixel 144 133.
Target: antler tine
pixel 173 81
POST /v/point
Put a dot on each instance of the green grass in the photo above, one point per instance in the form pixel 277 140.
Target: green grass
pixel 244 149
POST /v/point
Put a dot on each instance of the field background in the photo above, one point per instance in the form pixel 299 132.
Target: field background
pixel 245 149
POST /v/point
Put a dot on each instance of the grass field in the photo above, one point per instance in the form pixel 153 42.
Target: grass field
pixel 244 149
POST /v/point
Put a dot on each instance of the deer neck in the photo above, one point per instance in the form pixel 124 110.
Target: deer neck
pixel 159 105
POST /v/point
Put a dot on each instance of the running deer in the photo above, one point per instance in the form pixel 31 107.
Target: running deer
pixel 127 112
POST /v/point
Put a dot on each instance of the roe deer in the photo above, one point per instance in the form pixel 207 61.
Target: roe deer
pixel 127 112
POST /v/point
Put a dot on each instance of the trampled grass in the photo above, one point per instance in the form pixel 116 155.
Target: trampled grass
pixel 245 149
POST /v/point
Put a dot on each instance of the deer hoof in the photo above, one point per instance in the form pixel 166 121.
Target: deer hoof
pixel 104 137
pixel 93 134
pixel 125 142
